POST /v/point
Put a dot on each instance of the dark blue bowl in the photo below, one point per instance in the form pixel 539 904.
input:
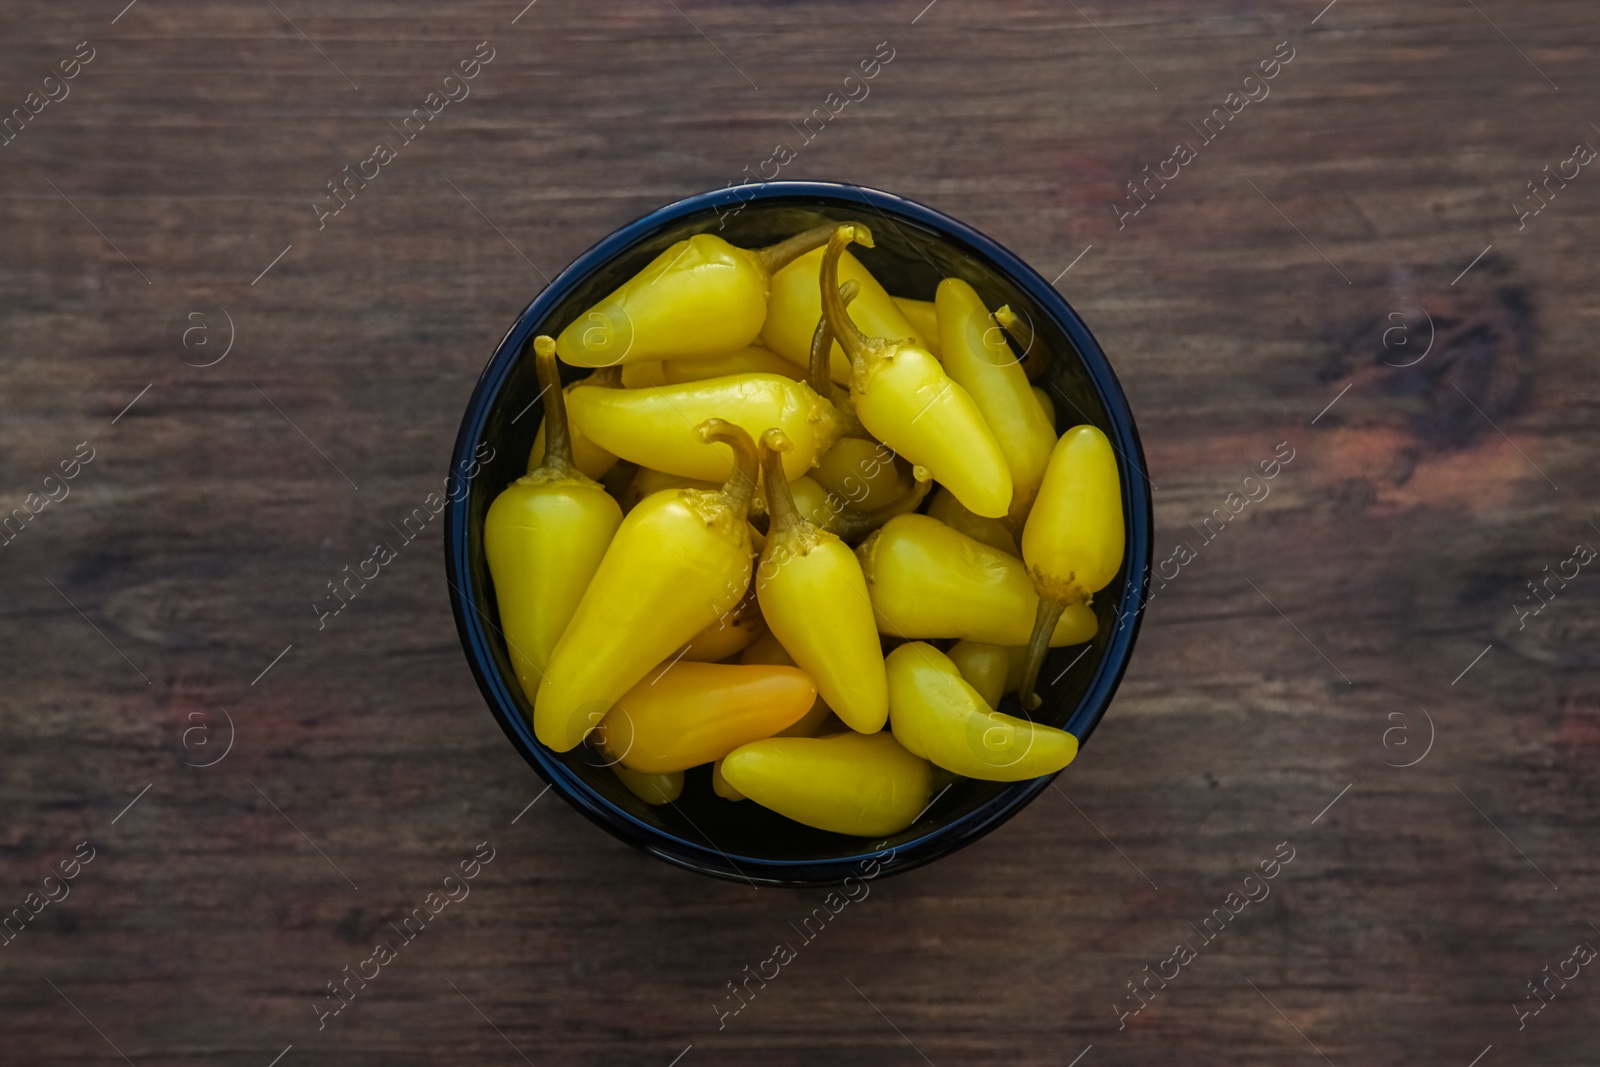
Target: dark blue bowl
pixel 916 247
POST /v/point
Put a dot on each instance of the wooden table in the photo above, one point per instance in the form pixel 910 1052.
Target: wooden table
pixel 265 389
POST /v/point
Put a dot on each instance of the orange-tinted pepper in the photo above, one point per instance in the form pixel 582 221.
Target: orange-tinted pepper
pixel 693 713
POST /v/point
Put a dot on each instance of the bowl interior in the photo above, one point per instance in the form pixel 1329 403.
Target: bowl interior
pixel 914 250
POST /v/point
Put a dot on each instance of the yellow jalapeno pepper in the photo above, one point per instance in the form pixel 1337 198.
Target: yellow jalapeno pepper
pixel 587 456
pixel 729 635
pixel 619 478
pixel 544 537
pixel 1046 405
pixel 924 319
pixel 1036 358
pixel 795 305
pixel 751 359
pixel 986 668
pixel 767 649
pixel 993 532
pixel 654 427
pixel 700 298
pixel 647 482
pixel 937 715
pixel 864 473
pixel 811 500
pixel 814 723
pixel 678 562
pixel 852 524
pixel 643 375
pixel 977 357
pixel 927 580
pixel 904 398
pixel 850 783
pixel 720 786
pixel 1074 539
pixel 693 713
pixel 651 788
pixel 815 601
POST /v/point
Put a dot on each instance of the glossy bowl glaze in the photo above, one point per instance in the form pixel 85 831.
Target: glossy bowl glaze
pixel 915 248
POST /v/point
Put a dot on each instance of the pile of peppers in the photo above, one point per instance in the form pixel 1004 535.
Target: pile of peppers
pixel 801 530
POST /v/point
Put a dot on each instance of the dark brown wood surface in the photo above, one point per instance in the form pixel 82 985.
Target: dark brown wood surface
pixel 1360 617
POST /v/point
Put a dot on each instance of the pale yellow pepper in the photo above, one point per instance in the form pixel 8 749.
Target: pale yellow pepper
pixel 645 375
pixel 937 715
pixel 852 524
pixel 796 303
pixel 1075 536
pixel 647 482
pixel 544 537
pixel 993 532
pixel 864 473
pixel 752 359
pixel 654 789
pixel 655 427
pixel 767 649
pixel 678 562
pixel 987 668
pixel 729 635
pixel 904 398
pixel 927 580
pixel 720 786
pixel 977 357
pixel 816 722
pixel 923 318
pixel 815 601
pixel 811 500
pixel 700 298
pixel 1046 405
pixel 850 783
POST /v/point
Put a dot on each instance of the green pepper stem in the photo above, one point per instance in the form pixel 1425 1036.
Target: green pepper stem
pixel 557 437
pixel 774 258
pixel 856 344
pixel 1044 627
pixel 817 374
pixel 781 508
pixel 741 484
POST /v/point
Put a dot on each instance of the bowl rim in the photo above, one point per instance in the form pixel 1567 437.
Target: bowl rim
pixel 709 859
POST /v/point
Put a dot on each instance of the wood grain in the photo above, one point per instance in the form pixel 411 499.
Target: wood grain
pixel 188 552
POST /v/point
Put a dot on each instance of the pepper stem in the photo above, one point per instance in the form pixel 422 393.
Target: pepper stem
pixel 741 484
pixel 817 375
pixel 774 258
pixel 557 438
pixel 607 377
pixel 856 344
pixel 1044 627
pixel 780 499
pixel 1034 360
